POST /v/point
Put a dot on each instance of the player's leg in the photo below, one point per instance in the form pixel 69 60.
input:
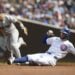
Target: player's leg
pixel 11 58
pixel 16 52
pixel 9 47
pixel 31 57
pixel 21 60
pixel 14 42
pixel 13 49
pixel 47 60
pixel 42 59
pixel 14 36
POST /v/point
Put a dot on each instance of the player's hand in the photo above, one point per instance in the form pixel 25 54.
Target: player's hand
pixel 50 33
pixel 25 31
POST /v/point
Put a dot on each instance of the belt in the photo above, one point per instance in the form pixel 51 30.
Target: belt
pixel 54 56
pixel 49 53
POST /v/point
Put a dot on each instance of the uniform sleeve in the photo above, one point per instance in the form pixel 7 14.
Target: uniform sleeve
pixel 44 39
pixel 49 41
pixel 72 49
pixel 23 27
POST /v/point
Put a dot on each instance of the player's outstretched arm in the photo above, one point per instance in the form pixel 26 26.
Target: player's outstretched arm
pixel 23 27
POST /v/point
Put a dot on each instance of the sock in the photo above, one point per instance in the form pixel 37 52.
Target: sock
pixel 21 60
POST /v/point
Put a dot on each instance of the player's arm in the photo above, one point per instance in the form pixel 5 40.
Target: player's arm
pixel 14 19
pixel 72 49
pixel 48 34
pixel 23 27
pixel 49 41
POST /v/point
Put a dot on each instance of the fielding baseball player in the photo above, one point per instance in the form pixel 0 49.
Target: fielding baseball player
pixel 59 48
pixel 13 42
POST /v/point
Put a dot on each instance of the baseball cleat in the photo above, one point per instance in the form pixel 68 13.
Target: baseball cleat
pixel 11 60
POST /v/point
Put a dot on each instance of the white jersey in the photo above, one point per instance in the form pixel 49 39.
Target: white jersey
pixel 60 48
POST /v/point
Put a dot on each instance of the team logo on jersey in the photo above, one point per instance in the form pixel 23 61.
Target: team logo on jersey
pixel 63 47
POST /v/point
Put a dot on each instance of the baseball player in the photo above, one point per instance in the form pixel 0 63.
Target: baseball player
pixel 59 48
pixel 13 42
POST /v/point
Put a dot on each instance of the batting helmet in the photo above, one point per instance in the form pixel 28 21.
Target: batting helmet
pixel 65 30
